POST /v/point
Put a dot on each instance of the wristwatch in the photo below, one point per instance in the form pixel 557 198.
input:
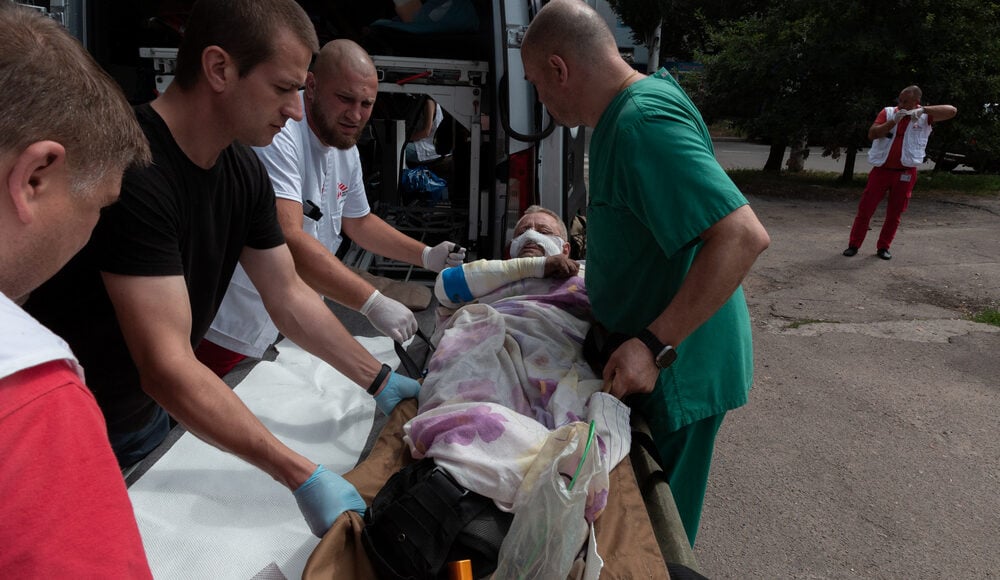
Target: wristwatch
pixel 663 354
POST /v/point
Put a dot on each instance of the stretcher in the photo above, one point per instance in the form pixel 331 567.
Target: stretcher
pixel 639 532
pixel 203 513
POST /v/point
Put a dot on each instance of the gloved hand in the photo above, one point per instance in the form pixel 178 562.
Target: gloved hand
pixel 396 389
pixel 915 113
pixel 323 497
pixel 899 114
pixel 391 318
pixel 443 255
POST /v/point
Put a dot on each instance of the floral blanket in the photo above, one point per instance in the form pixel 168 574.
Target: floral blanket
pixel 507 374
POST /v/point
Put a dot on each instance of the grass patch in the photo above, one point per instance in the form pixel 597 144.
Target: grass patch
pixel 824 184
pixel 971 184
pixel 806 321
pixel 987 317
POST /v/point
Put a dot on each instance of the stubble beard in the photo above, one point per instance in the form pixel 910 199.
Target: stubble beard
pixel 328 134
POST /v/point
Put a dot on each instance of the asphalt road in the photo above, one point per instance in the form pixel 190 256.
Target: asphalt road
pixel 738 154
pixel 869 447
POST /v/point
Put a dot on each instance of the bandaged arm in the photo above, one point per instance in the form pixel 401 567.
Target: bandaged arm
pixel 463 284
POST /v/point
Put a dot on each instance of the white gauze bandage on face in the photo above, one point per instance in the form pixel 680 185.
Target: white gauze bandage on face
pixel 550 245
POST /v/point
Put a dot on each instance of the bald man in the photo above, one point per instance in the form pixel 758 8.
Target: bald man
pixel 316 172
pixel 675 286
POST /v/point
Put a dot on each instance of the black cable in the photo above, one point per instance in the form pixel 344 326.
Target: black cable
pixel 504 108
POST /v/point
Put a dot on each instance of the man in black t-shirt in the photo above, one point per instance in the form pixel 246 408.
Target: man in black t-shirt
pixel 145 289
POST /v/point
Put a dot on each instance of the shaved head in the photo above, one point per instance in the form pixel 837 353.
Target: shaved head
pixel 570 29
pixel 914 92
pixel 342 55
pixel 572 59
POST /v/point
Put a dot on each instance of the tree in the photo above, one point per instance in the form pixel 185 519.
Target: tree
pixel 685 23
pixel 824 69
pixel 755 79
pixel 643 17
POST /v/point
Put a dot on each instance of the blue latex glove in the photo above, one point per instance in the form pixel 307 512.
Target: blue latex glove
pixel 323 497
pixel 396 389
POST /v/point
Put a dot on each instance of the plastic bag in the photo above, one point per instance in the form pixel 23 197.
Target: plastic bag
pixel 422 179
pixel 426 183
pixel 549 530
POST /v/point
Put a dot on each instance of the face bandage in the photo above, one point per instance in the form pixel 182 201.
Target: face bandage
pixel 550 245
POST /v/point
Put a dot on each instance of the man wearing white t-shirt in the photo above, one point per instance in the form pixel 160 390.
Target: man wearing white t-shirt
pixel 65 512
pixel 316 172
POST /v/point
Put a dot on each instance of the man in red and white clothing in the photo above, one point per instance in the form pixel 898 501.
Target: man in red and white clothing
pixel 64 511
pixel 899 136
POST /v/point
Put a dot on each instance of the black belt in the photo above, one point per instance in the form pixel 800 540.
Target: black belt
pixel 897 168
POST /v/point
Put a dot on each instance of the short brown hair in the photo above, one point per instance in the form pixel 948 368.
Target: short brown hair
pixel 245 29
pixel 51 89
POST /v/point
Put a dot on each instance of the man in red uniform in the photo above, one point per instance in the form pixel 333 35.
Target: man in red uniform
pixel 899 136
pixel 64 511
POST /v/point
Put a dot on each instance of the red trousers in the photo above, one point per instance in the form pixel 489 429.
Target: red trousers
pixel 221 360
pixel 899 185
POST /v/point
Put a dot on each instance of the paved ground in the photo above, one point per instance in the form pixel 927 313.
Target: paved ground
pixel 870 446
pixel 739 154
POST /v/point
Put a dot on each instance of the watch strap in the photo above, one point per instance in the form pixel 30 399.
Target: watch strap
pixel 386 369
pixel 652 343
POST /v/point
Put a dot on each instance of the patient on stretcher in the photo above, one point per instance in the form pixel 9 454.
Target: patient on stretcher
pixel 508 374
pixel 508 408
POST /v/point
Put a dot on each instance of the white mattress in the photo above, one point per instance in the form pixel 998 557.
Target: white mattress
pixel 207 514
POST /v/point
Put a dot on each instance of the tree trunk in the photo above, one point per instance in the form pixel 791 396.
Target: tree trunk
pixel 653 62
pixel 797 156
pixel 848 174
pixel 774 157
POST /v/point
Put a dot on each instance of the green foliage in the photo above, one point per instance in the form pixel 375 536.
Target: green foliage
pixel 642 16
pixel 985 185
pixel 825 69
pixel 988 317
pixel 686 23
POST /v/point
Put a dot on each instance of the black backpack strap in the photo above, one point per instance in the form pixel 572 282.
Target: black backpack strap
pixel 410 366
pixel 413 370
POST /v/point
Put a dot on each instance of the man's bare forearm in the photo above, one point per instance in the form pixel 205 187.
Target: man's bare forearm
pixel 208 408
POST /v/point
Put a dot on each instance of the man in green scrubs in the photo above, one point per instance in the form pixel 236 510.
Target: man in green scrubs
pixel 669 240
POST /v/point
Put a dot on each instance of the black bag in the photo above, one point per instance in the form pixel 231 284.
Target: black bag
pixel 599 344
pixel 422 519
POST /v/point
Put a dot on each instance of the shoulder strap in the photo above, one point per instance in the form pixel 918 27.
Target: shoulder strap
pixel 410 366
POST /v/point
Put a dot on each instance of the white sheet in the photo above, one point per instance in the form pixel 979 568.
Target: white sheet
pixel 203 513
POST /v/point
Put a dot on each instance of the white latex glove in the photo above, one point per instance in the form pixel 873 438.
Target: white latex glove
pixel 899 115
pixel 443 255
pixel 390 317
pixel 915 113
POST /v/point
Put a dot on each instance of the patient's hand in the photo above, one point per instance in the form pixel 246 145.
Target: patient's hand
pixel 560 266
